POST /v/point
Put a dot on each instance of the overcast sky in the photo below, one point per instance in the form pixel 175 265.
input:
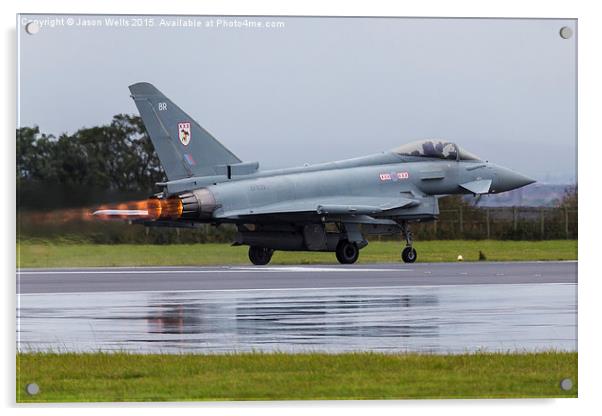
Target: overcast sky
pixel 318 89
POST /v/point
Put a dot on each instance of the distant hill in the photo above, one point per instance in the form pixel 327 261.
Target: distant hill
pixel 534 195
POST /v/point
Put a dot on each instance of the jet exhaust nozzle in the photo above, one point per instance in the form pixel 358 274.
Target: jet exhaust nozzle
pixel 197 204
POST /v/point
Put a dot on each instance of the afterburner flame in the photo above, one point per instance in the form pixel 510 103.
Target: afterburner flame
pixel 151 209
pixel 164 208
pixel 60 216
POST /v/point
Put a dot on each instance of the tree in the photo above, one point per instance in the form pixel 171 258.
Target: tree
pixel 118 157
pixel 570 198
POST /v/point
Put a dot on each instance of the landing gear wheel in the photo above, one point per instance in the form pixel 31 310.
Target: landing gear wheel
pixel 347 252
pixel 260 256
pixel 408 254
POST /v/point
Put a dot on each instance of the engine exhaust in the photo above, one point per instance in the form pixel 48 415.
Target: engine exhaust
pixel 197 204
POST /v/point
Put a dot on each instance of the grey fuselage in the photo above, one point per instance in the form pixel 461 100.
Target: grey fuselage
pixel 378 177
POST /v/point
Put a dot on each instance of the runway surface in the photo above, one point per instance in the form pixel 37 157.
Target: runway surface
pixel 438 308
pixel 275 277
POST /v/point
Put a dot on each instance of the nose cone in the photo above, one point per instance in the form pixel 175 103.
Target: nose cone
pixel 506 180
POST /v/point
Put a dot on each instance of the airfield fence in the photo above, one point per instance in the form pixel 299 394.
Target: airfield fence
pixel 501 223
pixel 473 223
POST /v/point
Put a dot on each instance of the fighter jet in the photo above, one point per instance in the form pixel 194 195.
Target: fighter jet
pixel 328 207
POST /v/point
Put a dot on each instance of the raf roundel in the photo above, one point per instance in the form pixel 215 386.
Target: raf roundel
pixel 184 133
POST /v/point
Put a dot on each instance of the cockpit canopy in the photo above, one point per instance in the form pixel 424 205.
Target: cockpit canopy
pixel 435 149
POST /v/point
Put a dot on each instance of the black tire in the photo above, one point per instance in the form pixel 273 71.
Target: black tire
pixel 408 255
pixel 260 256
pixel 347 252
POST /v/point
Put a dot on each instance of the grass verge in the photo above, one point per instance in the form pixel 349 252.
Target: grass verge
pixel 278 376
pixel 47 254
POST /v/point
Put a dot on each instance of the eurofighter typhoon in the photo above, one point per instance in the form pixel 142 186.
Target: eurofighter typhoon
pixel 324 207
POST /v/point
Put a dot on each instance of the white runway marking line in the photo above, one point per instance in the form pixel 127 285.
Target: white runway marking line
pixel 294 289
pixel 232 270
pixel 217 267
pixel 318 269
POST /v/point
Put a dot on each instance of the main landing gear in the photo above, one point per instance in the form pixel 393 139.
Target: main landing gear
pixel 347 252
pixel 260 256
pixel 408 254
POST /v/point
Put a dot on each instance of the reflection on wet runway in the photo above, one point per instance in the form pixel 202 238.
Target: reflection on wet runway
pixel 439 319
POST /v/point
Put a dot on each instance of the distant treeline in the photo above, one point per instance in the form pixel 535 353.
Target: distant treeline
pixel 93 165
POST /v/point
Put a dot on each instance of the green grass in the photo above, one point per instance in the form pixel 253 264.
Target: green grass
pixel 279 376
pixel 47 254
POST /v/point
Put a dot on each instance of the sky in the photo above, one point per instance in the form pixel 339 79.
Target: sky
pixel 310 90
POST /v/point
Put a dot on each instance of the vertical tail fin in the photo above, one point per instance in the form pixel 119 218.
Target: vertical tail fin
pixel 184 148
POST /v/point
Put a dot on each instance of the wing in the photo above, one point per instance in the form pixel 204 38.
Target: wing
pixel 339 205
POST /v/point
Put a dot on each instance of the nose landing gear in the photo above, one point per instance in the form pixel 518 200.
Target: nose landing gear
pixel 408 254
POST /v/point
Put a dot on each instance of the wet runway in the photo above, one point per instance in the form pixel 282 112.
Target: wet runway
pixel 121 279
pixel 440 308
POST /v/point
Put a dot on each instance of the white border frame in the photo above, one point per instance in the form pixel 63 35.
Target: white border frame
pixel 589 93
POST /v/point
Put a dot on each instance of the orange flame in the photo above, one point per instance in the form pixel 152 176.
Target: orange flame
pixel 59 216
pixel 164 208
pixel 151 209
